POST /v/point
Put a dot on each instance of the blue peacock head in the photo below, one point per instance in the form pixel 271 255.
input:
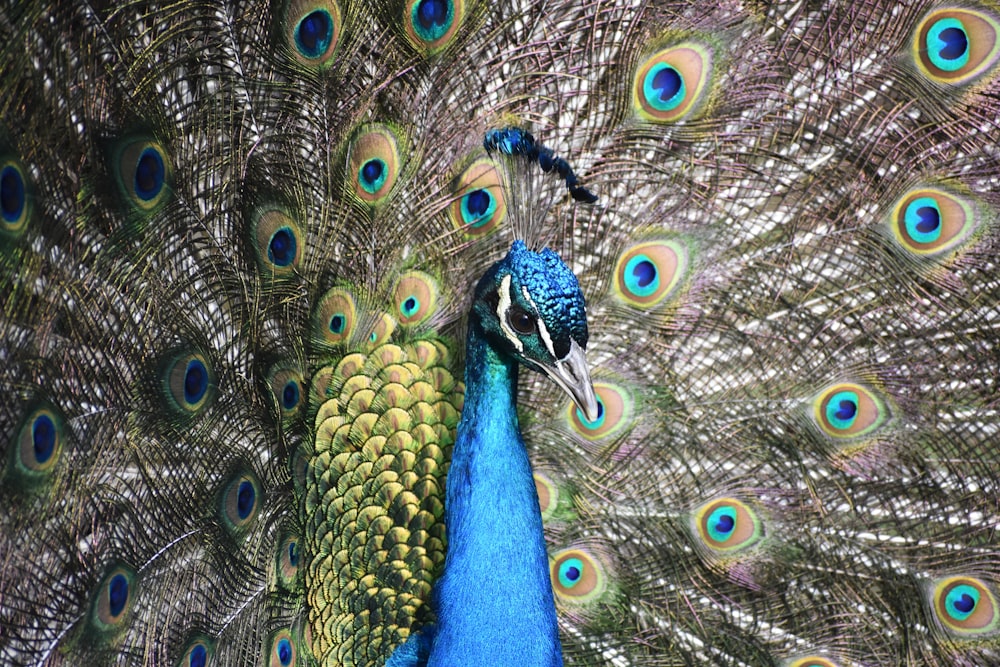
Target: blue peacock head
pixel 530 305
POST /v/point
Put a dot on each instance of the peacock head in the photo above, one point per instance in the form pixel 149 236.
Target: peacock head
pixel 530 306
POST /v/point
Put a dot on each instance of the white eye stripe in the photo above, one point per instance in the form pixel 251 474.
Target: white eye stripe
pixel 546 338
pixel 503 305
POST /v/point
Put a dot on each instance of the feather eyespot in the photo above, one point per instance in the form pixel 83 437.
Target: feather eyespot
pixel 39 445
pixel 380 333
pixel 614 413
pixel 848 410
pixel 286 387
pixel 278 242
pixel 670 85
pixel 956 45
pixel 965 606
pixel 198 654
pixel 432 24
pixel 188 382
pixel 931 221
pixel 727 525
pixel 14 203
pixel 334 318
pixel 577 576
pixel 548 495
pixel 282 650
pixel 415 298
pixel 288 558
pixel 647 273
pixel 291 395
pixel 240 502
pixel 143 173
pixel 299 465
pixel 313 31
pixel 113 600
pixel 374 163
pixel 479 204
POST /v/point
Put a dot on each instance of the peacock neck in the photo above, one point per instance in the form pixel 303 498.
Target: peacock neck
pixel 494 601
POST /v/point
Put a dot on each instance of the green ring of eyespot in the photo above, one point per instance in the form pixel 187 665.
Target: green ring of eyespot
pixel 632 282
pixel 935 45
pixel 564 572
pixel 436 31
pixel 713 520
pixel 834 405
pixel 912 219
pixel 652 94
pixel 478 219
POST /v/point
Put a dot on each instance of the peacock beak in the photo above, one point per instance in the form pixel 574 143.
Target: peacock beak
pixel 571 373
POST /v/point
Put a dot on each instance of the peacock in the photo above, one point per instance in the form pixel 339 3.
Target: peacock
pixel 270 269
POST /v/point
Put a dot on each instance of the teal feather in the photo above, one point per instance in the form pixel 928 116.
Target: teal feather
pixel 527 308
pixel 239 251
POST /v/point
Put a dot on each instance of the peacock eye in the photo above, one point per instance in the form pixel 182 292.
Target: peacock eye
pixel 521 321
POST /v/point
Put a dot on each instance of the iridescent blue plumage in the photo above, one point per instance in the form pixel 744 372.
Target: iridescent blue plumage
pixel 494 602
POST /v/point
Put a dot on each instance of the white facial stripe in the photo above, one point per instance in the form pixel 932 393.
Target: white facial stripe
pixel 546 338
pixel 503 305
pixel 542 331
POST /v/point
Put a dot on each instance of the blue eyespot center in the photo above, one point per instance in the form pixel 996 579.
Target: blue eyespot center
pixel 337 324
pixel 290 395
pixel 314 33
pixel 12 199
pixel 373 174
pixel 195 381
pixel 664 87
pixel 847 410
pixel 722 523
pixel 961 601
pixel 476 207
pixel 410 306
pixel 43 435
pixel 644 273
pixel 293 553
pixel 117 594
pixel 965 603
pixel 432 13
pixel 285 652
pixel 668 82
pixel 842 409
pixel 956 43
pixel 570 572
pixel 641 276
pixel 282 247
pixel 930 219
pixel 725 524
pixel 150 174
pixel 948 45
pixel 432 19
pixel 246 497
pixel 198 656
pixel 923 220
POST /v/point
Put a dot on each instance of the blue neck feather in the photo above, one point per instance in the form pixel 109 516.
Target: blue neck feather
pixel 494 601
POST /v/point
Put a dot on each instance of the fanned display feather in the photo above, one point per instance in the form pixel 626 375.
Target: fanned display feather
pixel 240 245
